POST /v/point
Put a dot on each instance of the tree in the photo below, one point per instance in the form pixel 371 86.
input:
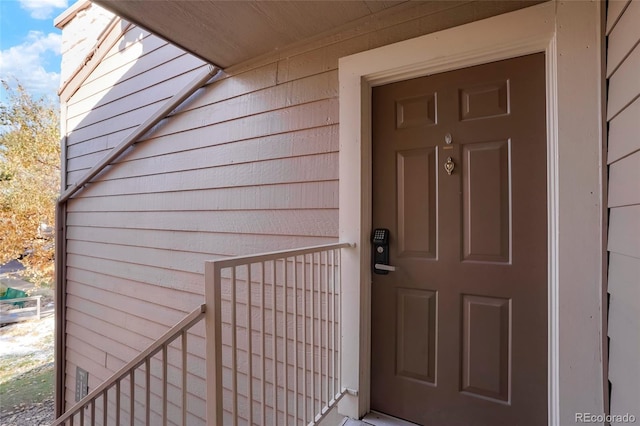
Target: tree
pixel 29 181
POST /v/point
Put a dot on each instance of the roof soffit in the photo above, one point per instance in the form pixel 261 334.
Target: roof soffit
pixel 226 33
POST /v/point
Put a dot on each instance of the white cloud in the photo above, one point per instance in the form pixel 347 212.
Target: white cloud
pixel 27 61
pixel 42 9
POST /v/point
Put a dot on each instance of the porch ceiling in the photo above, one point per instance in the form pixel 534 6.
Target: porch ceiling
pixel 225 33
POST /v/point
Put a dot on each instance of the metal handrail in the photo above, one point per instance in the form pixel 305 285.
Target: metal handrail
pixel 127 371
pixel 313 272
pixel 265 257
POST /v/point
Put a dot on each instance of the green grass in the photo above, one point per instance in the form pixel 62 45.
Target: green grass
pixel 11 367
pixel 33 386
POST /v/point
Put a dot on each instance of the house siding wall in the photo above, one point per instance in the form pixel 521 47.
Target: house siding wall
pixel 80 37
pixel 112 311
pixel 623 113
pixel 248 164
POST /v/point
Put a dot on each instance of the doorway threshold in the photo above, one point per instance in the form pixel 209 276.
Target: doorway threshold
pixel 374 418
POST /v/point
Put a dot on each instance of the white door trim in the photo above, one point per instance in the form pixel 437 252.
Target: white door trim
pixel 569 34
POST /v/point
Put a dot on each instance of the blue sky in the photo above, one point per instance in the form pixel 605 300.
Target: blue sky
pixel 30 44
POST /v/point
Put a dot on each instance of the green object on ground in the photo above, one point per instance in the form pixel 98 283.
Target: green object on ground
pixel 14 293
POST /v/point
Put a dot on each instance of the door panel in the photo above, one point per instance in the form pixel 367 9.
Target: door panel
pixel 416 111
pixel 486 344
pixel 416 348
pixel 485 100
pixel 486 201
pixel 459 330
pixel 416 190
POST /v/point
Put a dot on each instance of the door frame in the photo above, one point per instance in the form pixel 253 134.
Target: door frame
pixel 570 34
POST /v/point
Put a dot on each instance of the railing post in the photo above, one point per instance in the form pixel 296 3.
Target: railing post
pixel 213 327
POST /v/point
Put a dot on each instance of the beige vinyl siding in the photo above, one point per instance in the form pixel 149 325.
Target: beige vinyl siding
pixel 623 112
pixel 111 316
pixel 248 164
pixel 126 95
pixel 105 110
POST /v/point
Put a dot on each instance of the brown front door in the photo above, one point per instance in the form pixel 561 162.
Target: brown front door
pixel 459 330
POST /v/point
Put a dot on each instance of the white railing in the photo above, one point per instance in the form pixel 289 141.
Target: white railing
pixel 273 337
pixel 12 314
pixel 122 399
